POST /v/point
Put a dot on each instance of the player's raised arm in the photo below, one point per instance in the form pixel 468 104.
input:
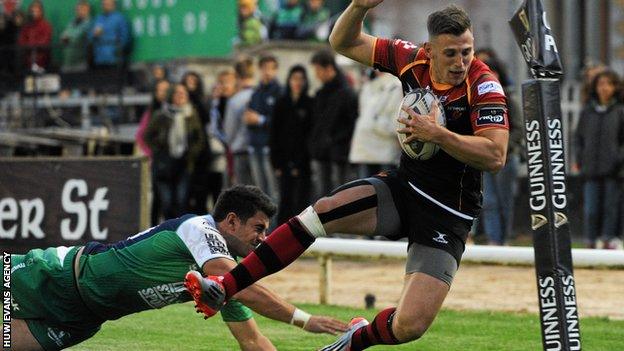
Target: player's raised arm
pixel 347 37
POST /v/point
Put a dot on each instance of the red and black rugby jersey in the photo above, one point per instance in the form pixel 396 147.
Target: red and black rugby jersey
pixel 477 104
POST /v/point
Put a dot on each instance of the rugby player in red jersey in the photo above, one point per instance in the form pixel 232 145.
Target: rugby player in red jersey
pixel 433 203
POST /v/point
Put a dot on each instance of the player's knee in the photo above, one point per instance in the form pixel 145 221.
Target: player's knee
pixel 324 204
pixel 408 329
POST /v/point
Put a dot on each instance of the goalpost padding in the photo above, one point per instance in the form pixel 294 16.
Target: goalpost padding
pixel 549 216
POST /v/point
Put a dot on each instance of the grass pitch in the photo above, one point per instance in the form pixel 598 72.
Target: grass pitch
pixel 178 327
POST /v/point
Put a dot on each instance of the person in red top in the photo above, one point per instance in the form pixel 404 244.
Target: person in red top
pixel 35 38
pixel 432 203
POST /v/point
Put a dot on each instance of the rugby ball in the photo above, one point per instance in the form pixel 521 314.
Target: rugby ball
pixel 421 101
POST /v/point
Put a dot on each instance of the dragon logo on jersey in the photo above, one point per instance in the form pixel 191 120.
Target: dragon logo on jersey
pixel 162 295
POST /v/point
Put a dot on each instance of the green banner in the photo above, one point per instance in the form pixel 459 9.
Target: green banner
pixel 167 29
pixel 163 29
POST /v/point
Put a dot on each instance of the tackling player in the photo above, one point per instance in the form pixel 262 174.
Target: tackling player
pixel 433 203
pixel 62 295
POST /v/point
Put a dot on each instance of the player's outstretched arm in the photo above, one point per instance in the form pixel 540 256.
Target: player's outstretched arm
pixel 347 37
pixel 271 305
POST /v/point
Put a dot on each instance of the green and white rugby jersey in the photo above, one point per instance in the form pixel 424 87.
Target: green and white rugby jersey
pixel 146 271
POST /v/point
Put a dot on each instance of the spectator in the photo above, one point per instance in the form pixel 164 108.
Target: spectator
pixel 600 147
pixel 258 118
pixel 500 189
pixel 35 38
pixel 10 27
pixel 486 54
pixel 218 170
pixel 110 37
pixel 199 181
pixel 223 90
pixel 375 146
pixel 315 15
pixel 289 137
pixel 286 21
pixel 251 29
pixel 591 69
pixel 160 94
pixel 235 130
pixel 75 39
pixel 174 136
pixel 333 120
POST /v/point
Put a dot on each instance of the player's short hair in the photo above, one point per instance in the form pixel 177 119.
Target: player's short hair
pixel 244 67
pixel 266 58
pixel 245 201
pixel 450 20
pixel 324 58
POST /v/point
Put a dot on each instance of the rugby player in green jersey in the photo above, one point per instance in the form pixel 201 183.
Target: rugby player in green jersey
pixel 62 295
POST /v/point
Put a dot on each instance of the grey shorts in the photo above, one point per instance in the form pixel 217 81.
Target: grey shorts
pixel 400 214
pixel 431 261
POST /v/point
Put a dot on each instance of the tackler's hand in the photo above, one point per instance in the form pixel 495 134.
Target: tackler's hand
pixel 323 324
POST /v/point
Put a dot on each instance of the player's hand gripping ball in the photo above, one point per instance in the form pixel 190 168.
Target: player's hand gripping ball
pixel 421 101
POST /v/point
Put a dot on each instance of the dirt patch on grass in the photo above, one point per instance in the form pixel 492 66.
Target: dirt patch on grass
pixel 479 287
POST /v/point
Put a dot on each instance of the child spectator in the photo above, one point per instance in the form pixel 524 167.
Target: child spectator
pixel 251 29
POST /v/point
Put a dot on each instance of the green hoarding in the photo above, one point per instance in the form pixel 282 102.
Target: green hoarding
pixel 164 29
pixel 167 29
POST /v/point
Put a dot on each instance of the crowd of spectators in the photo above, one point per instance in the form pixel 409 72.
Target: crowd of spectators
pixel 293 20
pixel 249 128
pixel 103 42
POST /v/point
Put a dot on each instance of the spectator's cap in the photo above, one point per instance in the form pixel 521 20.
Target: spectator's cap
pixel 247 3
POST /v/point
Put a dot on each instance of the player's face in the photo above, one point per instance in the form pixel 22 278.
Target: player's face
pixel 450 57
pixel 254 230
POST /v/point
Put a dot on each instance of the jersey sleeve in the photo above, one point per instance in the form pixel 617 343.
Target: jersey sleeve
pixel 235 311
pixel 203 241
pixel 393 55
pixel 488 106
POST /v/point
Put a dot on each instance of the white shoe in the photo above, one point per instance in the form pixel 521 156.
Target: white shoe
pixel 344 341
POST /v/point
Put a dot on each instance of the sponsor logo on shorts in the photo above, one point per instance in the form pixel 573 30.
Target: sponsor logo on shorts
pixel 57 335
pixel 440 238
pixel 490 87
pixel 491 116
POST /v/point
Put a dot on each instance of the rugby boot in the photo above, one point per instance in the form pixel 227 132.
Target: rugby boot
pixel 344 341
pixel 208 293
